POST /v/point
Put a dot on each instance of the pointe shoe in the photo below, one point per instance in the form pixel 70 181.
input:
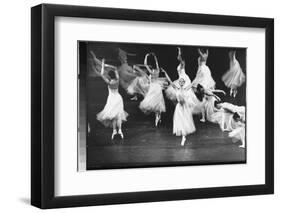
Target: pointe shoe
pixel 157 120
pixel 113 134
pixel 234 94
pixel 203 120
pixel 121 133
pixel 183 141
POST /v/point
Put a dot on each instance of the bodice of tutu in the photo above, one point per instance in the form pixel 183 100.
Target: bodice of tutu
pixel 182 74
pixel 113 87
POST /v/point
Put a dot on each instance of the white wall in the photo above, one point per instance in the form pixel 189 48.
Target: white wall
pixel 15 105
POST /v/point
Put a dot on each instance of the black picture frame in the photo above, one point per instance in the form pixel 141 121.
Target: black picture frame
pixel 43 102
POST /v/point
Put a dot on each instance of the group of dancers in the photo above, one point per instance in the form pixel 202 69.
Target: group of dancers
pixel 190 97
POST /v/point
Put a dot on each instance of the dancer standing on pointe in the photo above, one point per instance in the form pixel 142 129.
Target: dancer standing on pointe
pixel 153 101
pixel 183 123
pixel 113 113
pixel 234 77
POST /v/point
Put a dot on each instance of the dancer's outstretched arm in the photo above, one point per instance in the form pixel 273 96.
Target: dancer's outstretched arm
pixel 139 71
pixel 218 91
pixel 167 76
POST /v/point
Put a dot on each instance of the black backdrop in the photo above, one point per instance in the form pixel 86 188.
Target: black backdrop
pixel 218 60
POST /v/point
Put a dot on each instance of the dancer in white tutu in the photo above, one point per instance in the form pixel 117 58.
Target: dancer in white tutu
pixel 234 77
pixel 231 118
pixel 153 101
pixel 171 91
pixel 203 75
pixel 113 113
pixel 238 132
pixel 183 124
pixel 204 79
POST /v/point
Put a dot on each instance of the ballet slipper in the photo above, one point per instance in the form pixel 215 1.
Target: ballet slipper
pixel 183 141
pixel 113 134
pixel 203 120
pixel 157 120
pixel 121 133
pixel 242 145
pixel 230 93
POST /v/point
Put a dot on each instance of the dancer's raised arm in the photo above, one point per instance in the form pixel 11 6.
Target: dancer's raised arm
pixel 210 93
pixel 180 59
pixel 218 91
pixel 156 61
pixel 102 72
pixel 145 63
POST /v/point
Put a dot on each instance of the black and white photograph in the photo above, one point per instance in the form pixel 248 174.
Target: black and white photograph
pixel 149 105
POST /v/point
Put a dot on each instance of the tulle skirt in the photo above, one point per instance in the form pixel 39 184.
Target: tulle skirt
pixel 183 121
pixel 212 114
pixel 238 134
pixel 234 77
pixel 113 110
pixel 191 100
pixel 153 100
pixel 204 78
pixel 139 85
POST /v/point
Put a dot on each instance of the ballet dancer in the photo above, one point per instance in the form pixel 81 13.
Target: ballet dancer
pixel 171 91
pixel 153 101
pixel 132 79
pixel 234 77
pixel 113 113
pixel 183 123
pixel 203 75
pixel 231 118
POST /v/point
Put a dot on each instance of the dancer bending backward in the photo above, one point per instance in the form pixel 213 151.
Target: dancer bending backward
pixel 171 91
pixel 153 101
pixel 204 78
pixel 113 113
pixel 234 77
pixel 231 118
pixel 183 123
pixel 133 80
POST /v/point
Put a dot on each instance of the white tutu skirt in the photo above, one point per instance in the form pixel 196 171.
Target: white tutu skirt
pixel 153 100
pixel 234 77
pixel 113 110
pixel 183 121
pixel 212 114
pixel 139 85
pixel 204 78
pixel 238 134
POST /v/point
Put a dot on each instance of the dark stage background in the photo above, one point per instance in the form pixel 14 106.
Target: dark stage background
pixel 144 144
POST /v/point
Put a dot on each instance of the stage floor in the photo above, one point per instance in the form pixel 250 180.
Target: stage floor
pixel 147 146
